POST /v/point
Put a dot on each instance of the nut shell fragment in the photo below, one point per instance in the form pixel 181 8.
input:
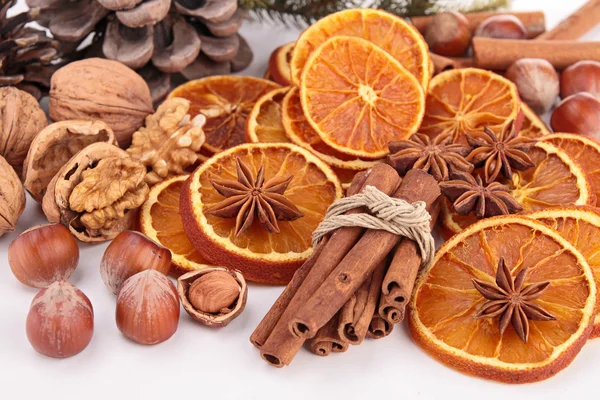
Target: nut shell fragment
pixel 224 316
pixel 55 145
pixel 12 197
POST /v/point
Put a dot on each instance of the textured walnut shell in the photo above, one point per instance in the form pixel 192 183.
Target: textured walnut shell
pixel 12 197
pixel 21 118
pixel 96 193
pixel 219 319
pixel 54 146
pixel 98 89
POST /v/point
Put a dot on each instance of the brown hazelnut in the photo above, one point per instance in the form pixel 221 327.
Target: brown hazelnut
pixel 213 296
pixel 12 197
pixel 537 82
pixel 578 113
pixel 583 76
pixel 60 322
pixel 148 308
pixel 504 26
pixel 43 255
pixel 448 34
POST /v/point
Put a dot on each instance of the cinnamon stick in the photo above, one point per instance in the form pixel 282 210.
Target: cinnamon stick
pixel 328 339
pixel 379 328
pixel 356 266
pixel 575 25
pixel 441 63
pixel 534 21
pixel 499 54
pixel 355 316
pixel 281 346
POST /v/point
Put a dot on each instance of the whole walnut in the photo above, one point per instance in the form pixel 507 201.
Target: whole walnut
pixel 105 90
pixel 21 118
pixel 12 197
pixel 96 193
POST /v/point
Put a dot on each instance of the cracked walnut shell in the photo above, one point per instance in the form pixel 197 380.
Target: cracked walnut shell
pixel 96 193
pixel 12 197
pixel 54 146
pixel 169 142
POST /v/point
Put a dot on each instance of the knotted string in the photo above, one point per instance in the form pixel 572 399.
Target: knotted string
pixel 386 213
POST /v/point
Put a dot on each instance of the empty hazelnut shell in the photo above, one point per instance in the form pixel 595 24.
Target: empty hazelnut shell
pixel 213 296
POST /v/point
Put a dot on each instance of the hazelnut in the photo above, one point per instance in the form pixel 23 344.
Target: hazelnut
pixel 148 308
pixel 213 296
pixel 537 82
pixel 578 113
pixel 43 255
pixel 448 34
pixel 129 253
pixel 60 322
pixel 504 26
pixel 583 76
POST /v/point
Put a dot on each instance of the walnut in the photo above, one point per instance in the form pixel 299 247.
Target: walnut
pixel 12 197
pixel 98 89
pixel 21 119
pixel 54 146
pixel 170 141
pixel 96 192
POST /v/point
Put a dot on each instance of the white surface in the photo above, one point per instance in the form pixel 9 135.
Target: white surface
pixel 207 364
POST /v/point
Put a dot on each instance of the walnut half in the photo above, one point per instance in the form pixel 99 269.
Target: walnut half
pixel 96 193
pixel 169 142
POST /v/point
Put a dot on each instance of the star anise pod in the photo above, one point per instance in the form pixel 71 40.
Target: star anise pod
pixel 439 157
pixel 469 194
pixel 511 301
pixel 500 153
pixel 249 198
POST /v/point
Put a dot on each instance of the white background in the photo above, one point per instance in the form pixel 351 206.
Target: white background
pixel 201 363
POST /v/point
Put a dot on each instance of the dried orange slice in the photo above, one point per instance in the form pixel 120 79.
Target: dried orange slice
pixel 581 227
pixel 226 102
pixel 585 151
pixel 279 64
pixel 160 220
pixel 389 32
pixel 555 181
pixel 532 126
pixel 261 256
pixel 445 302
pixel 358 98
pixel 463 100
pixel 264 121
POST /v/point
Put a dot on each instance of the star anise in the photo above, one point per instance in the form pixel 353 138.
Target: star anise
pixel 439 158
pixel 249 198
pixel 469 194
pixel 512 302
pixel 500 153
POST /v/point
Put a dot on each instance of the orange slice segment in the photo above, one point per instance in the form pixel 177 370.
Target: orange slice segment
pixel 533 126
pixel 581 227
pixel 160 220
pixel 226 102
pixel 445 302
pixel 264 121
pixel 279 64
pixel 258 254
pixel 463 100
pixel 585 151
pixel 358 98
pixel 555 181
pixel 389 32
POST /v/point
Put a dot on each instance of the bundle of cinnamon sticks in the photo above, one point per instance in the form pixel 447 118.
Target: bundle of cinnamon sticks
pixel 356 284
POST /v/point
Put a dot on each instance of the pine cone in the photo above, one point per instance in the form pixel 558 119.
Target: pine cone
pixel 26 53
pixel 191 38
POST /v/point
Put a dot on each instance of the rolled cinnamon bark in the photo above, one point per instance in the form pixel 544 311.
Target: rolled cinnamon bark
pixel 379 328
pixel 365 256
pixel 328 340
pixel 281 346
pixel 575 25
pixel 534 21
pixel 499 54
pixel 355 316
pixel 441 63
